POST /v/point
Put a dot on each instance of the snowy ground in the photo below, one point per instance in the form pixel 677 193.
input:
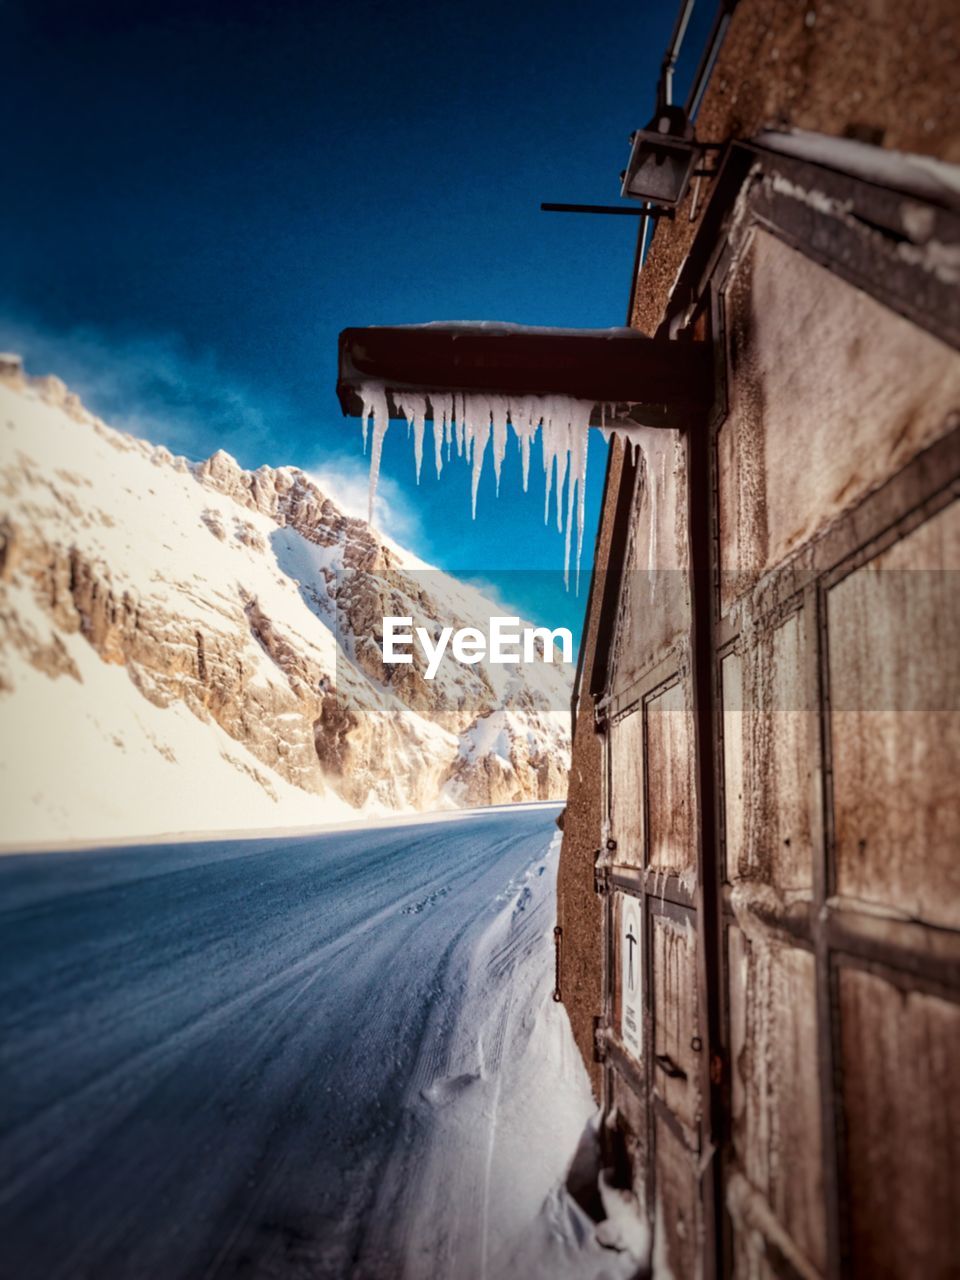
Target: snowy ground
pixel 321 1055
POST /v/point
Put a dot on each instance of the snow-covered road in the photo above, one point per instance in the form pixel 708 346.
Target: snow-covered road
pixel 324 1055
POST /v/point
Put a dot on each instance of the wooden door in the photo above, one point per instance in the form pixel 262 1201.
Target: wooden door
pixel 836 669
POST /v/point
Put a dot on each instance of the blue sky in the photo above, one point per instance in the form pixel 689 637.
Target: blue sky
pixel 200 196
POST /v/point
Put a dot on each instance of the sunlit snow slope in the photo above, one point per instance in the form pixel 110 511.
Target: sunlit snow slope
pixel 194 647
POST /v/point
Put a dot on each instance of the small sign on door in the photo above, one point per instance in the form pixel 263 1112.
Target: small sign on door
pixel 631 987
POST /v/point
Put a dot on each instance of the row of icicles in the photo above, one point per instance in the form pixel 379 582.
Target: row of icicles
pixel 470 422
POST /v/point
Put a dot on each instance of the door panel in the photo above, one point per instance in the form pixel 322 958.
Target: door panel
pixel 678 1220
pixel 671 789
pixel 900 1052
pixel 628 973
pixel 677 1034
pixel 625 746
pixel 775 1090
pixel 767 759
pixel 831 394
pixel 895 725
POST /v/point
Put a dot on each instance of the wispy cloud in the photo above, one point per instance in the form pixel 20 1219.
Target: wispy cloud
pixel 493 592
pixel 346 481
pixel 151 387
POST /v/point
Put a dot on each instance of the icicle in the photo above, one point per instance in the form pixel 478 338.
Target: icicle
pixel 476 428
pixel 566 536
pixel 548 442
pixel 419 424
pixel 470 421
pixel 659 450
pixel 414 409
pixel 439 418
pixel 374 399
pixel 499 411
pixel 442 414
pixel 575 459
pixel 460 429
pixel 563 457
pixel 556 448
pixel 578 464
pixel 525 422
pixel 548 463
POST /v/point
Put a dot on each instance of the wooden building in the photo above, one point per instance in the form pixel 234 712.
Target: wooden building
pixel 759 896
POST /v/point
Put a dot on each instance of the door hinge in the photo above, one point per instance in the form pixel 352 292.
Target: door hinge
pixel 599 1040
pixel 601 877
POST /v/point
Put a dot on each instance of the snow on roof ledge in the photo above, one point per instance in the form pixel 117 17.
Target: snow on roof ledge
pixel 922 176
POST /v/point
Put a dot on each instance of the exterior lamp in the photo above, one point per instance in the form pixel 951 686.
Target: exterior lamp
pixel 662 159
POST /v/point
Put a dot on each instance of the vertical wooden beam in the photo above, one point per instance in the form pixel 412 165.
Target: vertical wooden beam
pixel 822 827
pixel 714 1069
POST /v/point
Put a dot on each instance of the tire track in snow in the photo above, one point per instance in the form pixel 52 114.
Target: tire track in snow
pixel 210 1059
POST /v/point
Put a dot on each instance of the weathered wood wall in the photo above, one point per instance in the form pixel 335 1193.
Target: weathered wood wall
pixel 836 735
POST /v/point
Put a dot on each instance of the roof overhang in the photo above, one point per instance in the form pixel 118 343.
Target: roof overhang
pixel 628 376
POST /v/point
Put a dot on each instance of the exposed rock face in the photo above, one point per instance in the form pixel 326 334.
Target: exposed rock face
pixel 251 599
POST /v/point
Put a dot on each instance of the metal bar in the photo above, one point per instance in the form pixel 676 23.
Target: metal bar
pixel 709 57
pixel 638 259
pixel 626 211
pixel 667 67
pixel 661 376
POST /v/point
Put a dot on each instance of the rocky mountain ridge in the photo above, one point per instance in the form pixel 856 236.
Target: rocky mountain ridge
pixel 251 601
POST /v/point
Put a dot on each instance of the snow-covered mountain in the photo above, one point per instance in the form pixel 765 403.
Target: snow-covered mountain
pixel 193 646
